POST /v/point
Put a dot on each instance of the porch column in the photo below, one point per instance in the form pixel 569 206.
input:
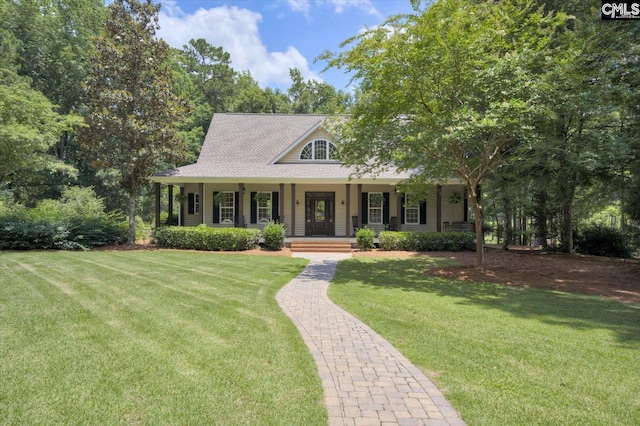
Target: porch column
pixel 293 209
pixel 359 206
pixel 348 210
pixel 439 208
pixel 182 198
pixel 281 204
pixel 241 205
pixel 399 210
pixel 157 190
pixel 170 219
pixel 201 196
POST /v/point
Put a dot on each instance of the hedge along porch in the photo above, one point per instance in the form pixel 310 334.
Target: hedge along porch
pixel 254 168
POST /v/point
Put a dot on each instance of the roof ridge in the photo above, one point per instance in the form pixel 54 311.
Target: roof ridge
pixel 273 114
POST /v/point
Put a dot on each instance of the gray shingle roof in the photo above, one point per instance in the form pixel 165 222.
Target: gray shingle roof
pixel 241 147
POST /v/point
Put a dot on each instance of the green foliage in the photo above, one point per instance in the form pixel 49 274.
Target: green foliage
pixel 206 238
pixel 446 91
pixel 76 221
pixel 132 105
pixel 365 237
pixel 313 97
pixel 274 234
pixel 427 241
pixel 601 240
pixel 28 235
pixel 29 126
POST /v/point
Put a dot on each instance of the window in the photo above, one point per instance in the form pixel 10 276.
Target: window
pixel 227 208
pixel 193 203
pixel 319 149
pixel 264 207
pixel 411 211
pixel 376 201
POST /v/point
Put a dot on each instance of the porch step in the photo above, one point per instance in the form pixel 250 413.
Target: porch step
pixel 319 246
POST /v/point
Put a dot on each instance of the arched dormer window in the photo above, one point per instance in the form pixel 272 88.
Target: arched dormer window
pixel 318 149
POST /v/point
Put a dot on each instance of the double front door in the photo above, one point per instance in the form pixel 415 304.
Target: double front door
pixel 320 213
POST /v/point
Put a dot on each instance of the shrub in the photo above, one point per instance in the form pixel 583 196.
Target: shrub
pixel 274 234
pixel 365 238
pixel 97 231
pixel 22 235
pixel 392 240
pixel 427 241
pixel 205 238
pixel 600 240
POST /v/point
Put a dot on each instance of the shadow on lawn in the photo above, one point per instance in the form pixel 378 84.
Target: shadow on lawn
pixel 551 307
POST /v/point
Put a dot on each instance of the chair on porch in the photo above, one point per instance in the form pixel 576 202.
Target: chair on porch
pixel 354 224
pixel 393 224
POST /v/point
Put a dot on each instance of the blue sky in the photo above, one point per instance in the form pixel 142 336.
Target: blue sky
pixel 267 37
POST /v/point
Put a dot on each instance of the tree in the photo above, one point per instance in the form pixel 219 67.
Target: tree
pixel 50 53
pixel 314 97
pixel 251 98
pixel 29 122
pixel 132 107
pixel 212 77
pixel 445 92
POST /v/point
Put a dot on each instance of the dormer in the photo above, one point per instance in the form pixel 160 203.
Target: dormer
pixel 315 146
pixel 318 150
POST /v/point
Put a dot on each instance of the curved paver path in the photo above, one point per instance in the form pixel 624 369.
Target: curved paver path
pixel 366 380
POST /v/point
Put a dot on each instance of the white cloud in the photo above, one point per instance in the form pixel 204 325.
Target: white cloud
pixel 299 5
pixel 236 30
pixel 339 6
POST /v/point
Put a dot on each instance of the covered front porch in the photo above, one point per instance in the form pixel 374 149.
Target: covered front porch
pixel 312 210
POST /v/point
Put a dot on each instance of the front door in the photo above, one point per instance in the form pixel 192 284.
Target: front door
pixel 319 213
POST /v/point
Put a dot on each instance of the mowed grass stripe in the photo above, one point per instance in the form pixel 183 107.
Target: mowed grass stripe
pixel 151 338
pixel 503 355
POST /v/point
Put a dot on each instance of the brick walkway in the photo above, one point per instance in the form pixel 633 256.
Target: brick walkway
pixel 366 380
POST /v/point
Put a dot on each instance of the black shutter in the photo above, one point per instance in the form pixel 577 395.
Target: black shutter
pixel 365 208
pixel 191 209
pixel 466 206
pixel 402 209
pixel 254 208
pixel 275 205
pixel 385 208
pixel 236 201
pixel 216 209
pixel 423 213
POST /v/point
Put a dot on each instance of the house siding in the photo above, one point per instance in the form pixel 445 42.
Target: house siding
pixel 451 212
pixel 293 156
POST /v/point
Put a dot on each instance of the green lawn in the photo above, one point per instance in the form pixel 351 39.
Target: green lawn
pixel 157 337
pixel 503 355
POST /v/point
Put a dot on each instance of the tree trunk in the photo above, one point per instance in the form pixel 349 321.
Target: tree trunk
pixel 567 227
pixel 508 232
pixel 477 212
pixel 540 218
pixel 567 191
pixel 132 219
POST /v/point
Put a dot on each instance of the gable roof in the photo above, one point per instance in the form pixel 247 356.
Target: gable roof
pixel 297 142
pixel 246 147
